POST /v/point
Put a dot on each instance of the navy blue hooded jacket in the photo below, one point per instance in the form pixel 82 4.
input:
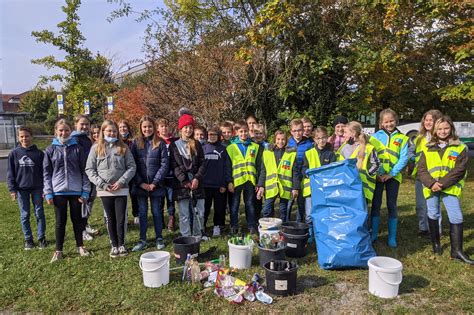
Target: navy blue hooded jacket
pixel 152 167
pixel 25 169
pixel 216 173
pixel 83 140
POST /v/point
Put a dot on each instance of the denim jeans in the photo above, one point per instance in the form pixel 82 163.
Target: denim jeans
pixel 156 213
pixel 451 203
pixel 248 190
pixel 391 186
pixel 301 214
pixel 23 198
pixel 185 208
pixel 268 208
pixel 169 201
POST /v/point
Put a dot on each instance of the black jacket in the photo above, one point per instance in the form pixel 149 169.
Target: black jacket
pixel 181 167
pixel 217 173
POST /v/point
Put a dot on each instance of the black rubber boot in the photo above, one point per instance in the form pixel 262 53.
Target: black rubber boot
pixel 456 234
pixel 434 232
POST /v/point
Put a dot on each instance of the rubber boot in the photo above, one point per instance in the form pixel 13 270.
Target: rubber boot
pixel 434 232
pixel 392 232
pixel 456 235
pixel 375 228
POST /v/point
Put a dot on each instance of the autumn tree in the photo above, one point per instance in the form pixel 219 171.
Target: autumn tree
pixel 87 76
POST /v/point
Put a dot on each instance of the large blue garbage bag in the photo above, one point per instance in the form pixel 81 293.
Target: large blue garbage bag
pixel 339 213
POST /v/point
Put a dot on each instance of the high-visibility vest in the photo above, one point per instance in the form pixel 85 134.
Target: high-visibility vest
pixel 368 181
pixel 438 168
pixel 390 154
pixel 312 156
pixel 279 179
pixel 420 145
pixel 243 168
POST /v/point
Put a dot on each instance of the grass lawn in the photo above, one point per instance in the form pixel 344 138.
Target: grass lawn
pixel 29 283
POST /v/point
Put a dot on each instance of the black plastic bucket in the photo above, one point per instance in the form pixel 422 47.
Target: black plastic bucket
pixel 267 254
pixel 295 245
pixel 280 277
pixel 295 228
pixel 185 245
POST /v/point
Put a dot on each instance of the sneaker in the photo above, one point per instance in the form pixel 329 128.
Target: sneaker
pixel 136 221
pixel 160 244
pixel 83 252
pixel 58 255
pixel 90 230
pixel 29 244
pixel 42 243
pixel 114 253
pixel 86 236
pixel 253 231
pixel 141 245
pixel 122 251
pixel 234 230
pixel 205 238
pixel 216 231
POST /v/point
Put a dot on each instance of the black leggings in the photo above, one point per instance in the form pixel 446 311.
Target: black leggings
pixel 60 207
pixel 115 209
pixel 213 194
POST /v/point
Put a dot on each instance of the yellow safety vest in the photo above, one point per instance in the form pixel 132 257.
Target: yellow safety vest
pixel 420 145
pixel 368 181
pixel 243 168
pixel 279 179
pixel 438 168
pixel 390 154
pixel 312 156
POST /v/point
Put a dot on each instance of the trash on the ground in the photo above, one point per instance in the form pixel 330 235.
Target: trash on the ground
pixel 237 291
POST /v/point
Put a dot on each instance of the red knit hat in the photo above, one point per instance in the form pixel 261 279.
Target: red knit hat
pixel 185 118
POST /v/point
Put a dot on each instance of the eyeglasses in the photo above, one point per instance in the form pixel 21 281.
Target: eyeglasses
pixel 297 130
pixel 212 134
pixel 322 138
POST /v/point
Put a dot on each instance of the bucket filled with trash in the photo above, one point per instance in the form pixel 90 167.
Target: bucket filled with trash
pixel 281 277
pixel 240 252
pixel 271 247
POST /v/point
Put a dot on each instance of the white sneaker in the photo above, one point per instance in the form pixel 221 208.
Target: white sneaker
pixel 136 221
pixel 114 252
pixel 204 238
pixel 86 236
pixel 122 251
pixel 83 252
pixel 91 230
pixel 217 231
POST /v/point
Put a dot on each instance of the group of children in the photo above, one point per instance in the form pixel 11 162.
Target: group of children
pixel 203 169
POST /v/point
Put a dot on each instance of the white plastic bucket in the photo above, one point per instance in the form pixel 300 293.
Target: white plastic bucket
pixel 385 275
pixel 270 223
pixel 262 231
pixel 156 268
pixel 240 256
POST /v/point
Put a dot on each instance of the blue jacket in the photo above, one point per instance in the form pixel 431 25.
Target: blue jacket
pixel 25 169
pixel 384 137
pixel 301 147
pixel 152 167
pixel 64 170
pixel 216 173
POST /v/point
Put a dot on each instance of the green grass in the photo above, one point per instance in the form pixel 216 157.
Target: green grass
pixel 29 283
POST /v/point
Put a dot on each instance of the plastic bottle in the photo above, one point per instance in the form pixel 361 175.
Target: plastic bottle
pixel 195 272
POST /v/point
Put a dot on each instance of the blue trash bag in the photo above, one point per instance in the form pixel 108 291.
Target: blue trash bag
pixel 339 214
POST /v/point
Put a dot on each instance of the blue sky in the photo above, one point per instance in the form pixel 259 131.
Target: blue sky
pixel 121 40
